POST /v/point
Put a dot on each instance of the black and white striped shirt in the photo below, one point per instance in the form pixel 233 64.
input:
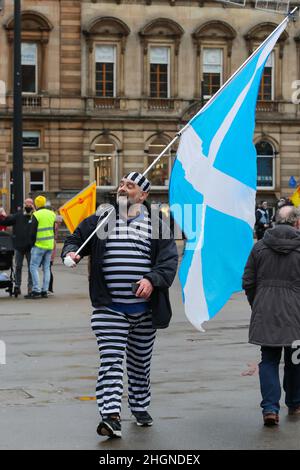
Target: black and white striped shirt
pixel 127 257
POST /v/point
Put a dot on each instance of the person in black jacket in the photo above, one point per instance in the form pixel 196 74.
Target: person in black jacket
pixel 21 222
pixel 262 220
pixel 133 262
pixel 272 283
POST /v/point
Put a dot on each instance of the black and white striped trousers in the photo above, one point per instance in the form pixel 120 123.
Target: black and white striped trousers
pixel 118 333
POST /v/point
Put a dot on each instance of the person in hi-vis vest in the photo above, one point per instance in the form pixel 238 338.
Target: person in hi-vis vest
pixel 43 221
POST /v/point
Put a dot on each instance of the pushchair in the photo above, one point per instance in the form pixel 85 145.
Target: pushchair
pixel 6 263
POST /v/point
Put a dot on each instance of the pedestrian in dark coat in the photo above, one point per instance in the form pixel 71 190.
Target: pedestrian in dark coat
pixel 262 220
pixel 21 222
pixel 132 266
pixel 272 283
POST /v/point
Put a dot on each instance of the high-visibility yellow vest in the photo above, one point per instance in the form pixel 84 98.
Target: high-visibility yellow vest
pixel 45 229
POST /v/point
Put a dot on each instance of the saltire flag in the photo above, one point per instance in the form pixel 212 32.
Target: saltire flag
pixel 213 184
pixel 79 207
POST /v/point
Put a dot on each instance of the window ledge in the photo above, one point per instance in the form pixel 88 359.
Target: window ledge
pixel 106 188
pixel 106 103
pixel 265 188
pixel 160 103
pixel 159 188
pixel 267 106
pixel 31 101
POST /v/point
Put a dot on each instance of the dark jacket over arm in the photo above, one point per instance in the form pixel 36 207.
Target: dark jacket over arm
pixel 21 230
pixel 164 259
pixel 78 237
pixel 249 279
pixel 33 232
pixel 164 266
pixel 8 221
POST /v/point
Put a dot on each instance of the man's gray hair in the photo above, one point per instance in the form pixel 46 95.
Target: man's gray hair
pixel 287 215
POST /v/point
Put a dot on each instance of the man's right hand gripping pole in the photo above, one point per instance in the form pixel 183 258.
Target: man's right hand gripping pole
pixel 71 259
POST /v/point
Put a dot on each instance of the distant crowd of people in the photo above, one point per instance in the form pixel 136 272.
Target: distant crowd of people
pixel 35 231
pixel 263 218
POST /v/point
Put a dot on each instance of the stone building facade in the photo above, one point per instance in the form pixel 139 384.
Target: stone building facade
pixel 108 83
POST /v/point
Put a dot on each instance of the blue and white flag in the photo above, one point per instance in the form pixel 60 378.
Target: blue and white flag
pixel 213 183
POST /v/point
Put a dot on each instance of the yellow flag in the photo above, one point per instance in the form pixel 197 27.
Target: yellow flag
pixel 79 207
pixel 295 198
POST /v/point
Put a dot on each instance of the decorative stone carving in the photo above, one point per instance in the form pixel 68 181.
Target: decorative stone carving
pixel 212 31
pixel 260 32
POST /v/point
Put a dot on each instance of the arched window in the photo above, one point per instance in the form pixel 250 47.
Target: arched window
pixel 160 41
pixel 271 84
pixel 105 161
pixel 297 40
pixel 265 165
pixel 36 30
pixel 213 41
pixel 160 173
pixel 106 42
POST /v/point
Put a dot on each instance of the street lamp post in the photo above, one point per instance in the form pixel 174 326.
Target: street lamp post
pixel 17 186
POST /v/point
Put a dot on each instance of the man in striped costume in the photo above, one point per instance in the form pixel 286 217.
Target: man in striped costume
pixel 131 272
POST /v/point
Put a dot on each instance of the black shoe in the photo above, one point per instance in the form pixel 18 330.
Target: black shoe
pixel 271 419
pixel 294 411
pixel 17 291
pixel 142 418
pixel 44 294
pixel 110 426
pixel 33 295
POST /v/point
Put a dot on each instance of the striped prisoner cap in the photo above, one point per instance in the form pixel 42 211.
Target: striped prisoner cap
pixel 140 180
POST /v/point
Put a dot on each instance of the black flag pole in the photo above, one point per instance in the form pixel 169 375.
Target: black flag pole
pixel 17 186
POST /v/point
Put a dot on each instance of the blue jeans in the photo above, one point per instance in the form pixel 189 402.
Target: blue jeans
pixel 270 382
pixel 40 257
